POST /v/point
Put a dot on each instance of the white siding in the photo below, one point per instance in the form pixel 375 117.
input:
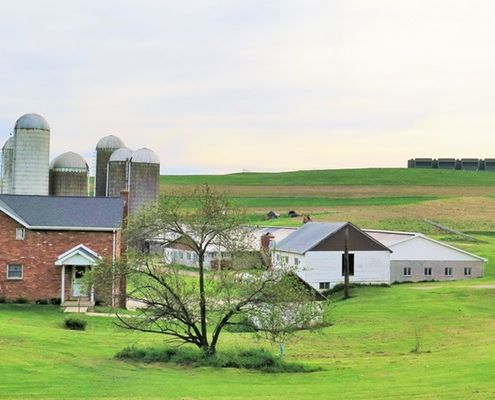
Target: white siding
pixel 419 249
pixel 326 266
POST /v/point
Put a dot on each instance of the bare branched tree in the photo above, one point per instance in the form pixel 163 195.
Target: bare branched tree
pixel 195 307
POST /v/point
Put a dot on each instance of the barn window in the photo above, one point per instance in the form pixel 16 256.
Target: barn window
pixel 406 271
pixel 467 271
pixel 351 264
pixel 324 285
pixel 20 233
pixel 428 271
pixel 14 271
pixel 448 271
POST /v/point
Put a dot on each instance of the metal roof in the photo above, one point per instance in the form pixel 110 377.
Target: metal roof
pixel 69 160
pixel 145 156
pixel 110 142
pixel 122 154
pixel 64 213
pixel 308 236
pixel 32 121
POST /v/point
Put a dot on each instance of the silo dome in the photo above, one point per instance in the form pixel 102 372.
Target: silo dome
pixel 122 154
pixel 110 142
pixel 32 121
pixel 69 160
pixel 9 144
pixel 145 156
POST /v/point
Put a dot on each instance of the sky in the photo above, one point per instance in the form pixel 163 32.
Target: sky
pixel 219 86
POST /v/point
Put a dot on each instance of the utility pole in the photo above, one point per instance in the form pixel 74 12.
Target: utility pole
pixel 346 264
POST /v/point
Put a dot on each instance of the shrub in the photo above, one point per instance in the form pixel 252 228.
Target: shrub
pixel 75 324
pixel 55 301
pixel 253 359
pixel 41 301
pixel 243 326
pixel 3 299
pixel 21 300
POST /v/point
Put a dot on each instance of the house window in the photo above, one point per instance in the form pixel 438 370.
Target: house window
pixel 278 257
pixel 284 260
pixel 189 255
pixel 14 271
pixel 428 271
pixel 324 285
pixel 297 261
pixel 406 271
pixel 20 233
pixel 448 271
pixel 467 271
pixel 351 264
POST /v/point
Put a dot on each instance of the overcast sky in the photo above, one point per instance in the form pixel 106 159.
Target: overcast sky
pixel 220 86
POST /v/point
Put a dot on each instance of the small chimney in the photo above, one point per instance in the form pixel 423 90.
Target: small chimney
pixel 265 242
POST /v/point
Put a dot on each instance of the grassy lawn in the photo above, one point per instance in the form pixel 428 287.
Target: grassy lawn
pixel 366 353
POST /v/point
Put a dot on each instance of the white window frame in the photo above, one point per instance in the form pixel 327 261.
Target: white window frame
pixel 468 271
pixel 15 278
pixel 428 271
pixel 407 271
pixel 297 261
pixel 448 271
pixel 20 233
pixel 324 285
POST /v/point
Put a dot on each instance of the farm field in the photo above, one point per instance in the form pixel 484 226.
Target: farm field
pixel 366 352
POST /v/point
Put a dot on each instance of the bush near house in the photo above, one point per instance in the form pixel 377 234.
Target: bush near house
pixel 75 324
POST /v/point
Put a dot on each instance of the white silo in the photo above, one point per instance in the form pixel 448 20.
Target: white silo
pixel 7 160
pixel 144 179
pixel 31 155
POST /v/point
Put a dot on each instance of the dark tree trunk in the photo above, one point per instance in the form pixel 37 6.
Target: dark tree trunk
pixel 202 303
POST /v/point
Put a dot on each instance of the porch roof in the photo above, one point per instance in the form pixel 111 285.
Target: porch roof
pixel 78 255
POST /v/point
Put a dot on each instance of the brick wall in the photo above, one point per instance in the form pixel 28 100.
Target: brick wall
pixel 38 253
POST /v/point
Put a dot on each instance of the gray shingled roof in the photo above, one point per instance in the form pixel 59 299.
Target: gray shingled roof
pixel 65 213
pixel 308 236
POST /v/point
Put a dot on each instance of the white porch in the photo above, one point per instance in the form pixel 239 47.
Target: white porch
pixel 74 264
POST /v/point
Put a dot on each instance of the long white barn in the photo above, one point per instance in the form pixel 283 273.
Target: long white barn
pixel 416 257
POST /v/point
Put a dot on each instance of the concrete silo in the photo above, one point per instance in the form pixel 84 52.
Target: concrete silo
pixel 144 182
pixel 118 172
pixel 31 155
pixel 7 165
pixel 69 175
pixel 104 149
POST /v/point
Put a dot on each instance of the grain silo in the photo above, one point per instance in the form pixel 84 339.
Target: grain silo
pixel 69 175
pixel 104 149
pixel 7 164
pixel 31 155
pixel 144 183
pixel 118 172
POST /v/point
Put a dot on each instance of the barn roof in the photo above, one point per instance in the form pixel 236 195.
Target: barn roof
pixel 64 213
pixel 308 236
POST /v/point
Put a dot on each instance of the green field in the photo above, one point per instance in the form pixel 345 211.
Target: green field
pixel 366 351
pixel 365 176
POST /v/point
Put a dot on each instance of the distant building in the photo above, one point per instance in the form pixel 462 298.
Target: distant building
pixel 465 164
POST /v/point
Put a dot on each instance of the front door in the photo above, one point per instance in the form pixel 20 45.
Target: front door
pixel 77 284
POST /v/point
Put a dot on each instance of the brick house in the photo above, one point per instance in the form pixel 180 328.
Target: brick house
pixel 47 243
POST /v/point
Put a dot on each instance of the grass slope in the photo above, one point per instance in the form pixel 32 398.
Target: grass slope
pixel 366 353
pixel 367 176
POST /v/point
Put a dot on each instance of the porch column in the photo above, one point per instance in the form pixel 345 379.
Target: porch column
pixel 62 295
pixel 92 294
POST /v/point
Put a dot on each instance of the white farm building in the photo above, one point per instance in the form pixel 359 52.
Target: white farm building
pixel 316 251
pixel 416 257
